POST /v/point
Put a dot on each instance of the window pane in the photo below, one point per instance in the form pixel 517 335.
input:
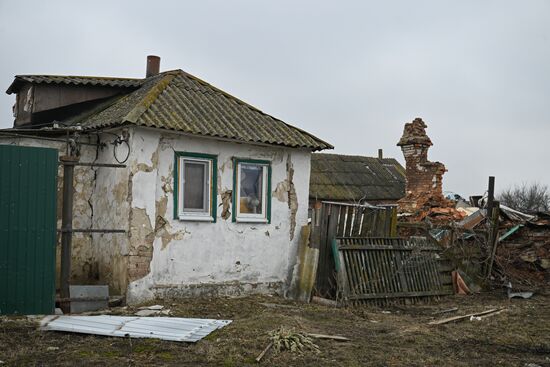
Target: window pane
pixel 194 185
pixel 251 185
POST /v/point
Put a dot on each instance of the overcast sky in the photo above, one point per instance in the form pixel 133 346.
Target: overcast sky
pixel 351 72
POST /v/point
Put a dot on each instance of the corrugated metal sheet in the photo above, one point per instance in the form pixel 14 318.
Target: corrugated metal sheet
pixel 178 101
pixel 352 178
pixel 28 185
pixel 166 328
pixel 74 80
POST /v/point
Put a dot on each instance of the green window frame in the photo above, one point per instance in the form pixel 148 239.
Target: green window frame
pixel 265 203
pixel 210 197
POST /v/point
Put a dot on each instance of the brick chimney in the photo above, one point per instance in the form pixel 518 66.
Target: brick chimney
pixel 424 188
pixel 153 66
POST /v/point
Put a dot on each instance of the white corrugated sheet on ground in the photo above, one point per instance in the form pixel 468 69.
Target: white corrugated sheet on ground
pixel 166 328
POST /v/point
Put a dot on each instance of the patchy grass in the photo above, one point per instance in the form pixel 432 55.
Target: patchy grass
pixel 394 336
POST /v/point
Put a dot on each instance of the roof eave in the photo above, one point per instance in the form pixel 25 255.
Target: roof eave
pixel 14 86
pixel 221 138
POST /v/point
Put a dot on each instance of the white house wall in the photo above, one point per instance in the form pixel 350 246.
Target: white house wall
pixel 110 201
pixel 170 257
pixel 163 256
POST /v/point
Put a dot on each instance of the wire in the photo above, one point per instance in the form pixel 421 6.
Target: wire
pixel 119 140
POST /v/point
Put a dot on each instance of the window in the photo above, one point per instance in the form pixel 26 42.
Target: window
pixel 251 191
pixel 195 187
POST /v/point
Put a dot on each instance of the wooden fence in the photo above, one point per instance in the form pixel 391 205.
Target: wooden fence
pixel 382 270
pixel 331 220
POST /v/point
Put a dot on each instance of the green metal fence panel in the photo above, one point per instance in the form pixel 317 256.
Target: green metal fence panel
pixel 28 187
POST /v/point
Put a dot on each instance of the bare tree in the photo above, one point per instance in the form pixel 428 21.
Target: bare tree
pixel 527 197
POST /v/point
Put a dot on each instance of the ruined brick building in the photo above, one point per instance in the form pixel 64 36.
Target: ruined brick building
pixel 424 187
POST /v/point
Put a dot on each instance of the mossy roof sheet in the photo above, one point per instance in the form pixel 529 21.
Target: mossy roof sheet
pixel 176 100
pixel 352 178
pixel 74 80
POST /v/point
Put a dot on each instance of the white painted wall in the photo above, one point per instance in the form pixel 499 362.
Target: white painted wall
pixel 199 257
pixel 222 257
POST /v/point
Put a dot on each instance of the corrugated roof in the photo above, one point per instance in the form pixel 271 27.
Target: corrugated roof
pixel 166 328
pixel 176 100
pixel 74 80
pixel 353 178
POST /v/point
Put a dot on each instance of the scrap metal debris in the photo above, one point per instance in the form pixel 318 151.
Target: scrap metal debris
pixel 459 285
pixel 524 295
pixel 165 328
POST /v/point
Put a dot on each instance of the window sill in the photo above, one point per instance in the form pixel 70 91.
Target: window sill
pixel 196 218
pixel 251 220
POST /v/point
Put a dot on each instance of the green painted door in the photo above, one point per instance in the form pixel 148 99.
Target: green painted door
pixel 28 186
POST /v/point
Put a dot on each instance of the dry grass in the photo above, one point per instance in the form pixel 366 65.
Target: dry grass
pixel 401 337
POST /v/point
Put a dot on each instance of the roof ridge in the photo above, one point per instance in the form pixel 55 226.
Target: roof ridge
pixel 238 100
pixel 149 98
pixel 77 76
pixel 351 155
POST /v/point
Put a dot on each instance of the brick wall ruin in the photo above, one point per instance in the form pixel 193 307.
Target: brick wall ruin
pixel 424 188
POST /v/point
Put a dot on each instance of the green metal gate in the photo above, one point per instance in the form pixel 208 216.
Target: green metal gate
pixel 28 186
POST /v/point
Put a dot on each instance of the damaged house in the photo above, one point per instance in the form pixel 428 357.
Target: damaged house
pixel 356 179
pixel 211 195
pixel 424 179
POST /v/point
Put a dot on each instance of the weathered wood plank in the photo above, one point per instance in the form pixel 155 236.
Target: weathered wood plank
pixel 398 295
pixel 342 221
pixel 357 222
pixel 349 221
pixel 385 248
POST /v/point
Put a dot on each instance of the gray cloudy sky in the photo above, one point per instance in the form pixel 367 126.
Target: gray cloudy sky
pixel 351 72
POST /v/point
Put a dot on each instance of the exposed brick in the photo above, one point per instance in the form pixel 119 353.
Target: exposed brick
pixel 424 187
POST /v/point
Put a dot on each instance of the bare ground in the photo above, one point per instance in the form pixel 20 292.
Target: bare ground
pixel 392 336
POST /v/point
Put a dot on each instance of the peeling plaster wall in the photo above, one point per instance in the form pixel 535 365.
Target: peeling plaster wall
pixel 84 269
pixel 163 256
pixel 111 206
pixel 169 257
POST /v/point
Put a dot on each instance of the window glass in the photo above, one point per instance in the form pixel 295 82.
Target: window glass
pixel 194 185
pixel 251 188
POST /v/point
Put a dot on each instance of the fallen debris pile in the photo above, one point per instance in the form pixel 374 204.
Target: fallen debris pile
pixel 523 256
pixel 511 246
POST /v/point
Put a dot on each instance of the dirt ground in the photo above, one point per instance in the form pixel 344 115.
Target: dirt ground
pixel 390 336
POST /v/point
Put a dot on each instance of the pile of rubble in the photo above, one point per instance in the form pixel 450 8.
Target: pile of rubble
pixel 519 252
pixel 523 253
pixel 424 197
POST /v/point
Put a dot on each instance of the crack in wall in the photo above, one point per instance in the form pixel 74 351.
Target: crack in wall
pixel 286 192
pixel 227 196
